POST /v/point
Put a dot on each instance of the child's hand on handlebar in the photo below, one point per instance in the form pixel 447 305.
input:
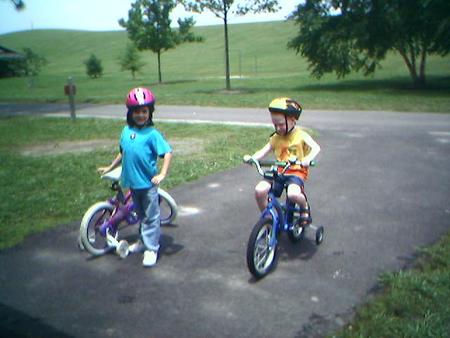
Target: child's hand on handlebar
pixel 308 163
pixel 156 180
pixel 305 164
pixel 103 170
pixel 248 159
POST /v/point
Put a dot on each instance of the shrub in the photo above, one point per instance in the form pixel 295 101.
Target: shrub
pixel 94 67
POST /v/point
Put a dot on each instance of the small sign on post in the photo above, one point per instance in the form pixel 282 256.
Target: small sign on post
pixel 70 90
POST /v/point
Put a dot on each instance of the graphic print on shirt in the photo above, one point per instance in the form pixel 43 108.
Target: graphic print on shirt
pixel 292 145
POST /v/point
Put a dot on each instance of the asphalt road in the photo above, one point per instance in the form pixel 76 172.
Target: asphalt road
pixel 381 190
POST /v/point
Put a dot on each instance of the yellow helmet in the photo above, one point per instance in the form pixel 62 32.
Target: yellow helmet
pixel 286 106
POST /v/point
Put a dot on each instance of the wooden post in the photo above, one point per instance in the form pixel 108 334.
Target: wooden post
pixel 70 90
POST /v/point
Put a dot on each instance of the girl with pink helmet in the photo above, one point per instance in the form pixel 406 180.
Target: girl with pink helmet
pixel 140 147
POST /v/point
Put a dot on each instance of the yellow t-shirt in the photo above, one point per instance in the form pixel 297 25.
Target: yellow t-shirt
pixel 292 144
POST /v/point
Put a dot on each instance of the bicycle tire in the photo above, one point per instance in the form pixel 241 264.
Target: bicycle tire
pixel 92 240
pixel 261 259
pixel 168 207
pixel 319 235
pixel 297 232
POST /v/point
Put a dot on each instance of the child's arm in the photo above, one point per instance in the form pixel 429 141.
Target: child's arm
pixel 264 151
pixel 315 149
pixel 164 169
pixel 114 163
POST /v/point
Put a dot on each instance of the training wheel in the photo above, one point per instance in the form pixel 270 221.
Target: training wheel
pixel 123 249
pixel 80 244
pixel 319 235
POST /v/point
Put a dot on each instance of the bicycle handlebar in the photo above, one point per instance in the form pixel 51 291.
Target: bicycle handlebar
pixel 113 175
pixel 267 163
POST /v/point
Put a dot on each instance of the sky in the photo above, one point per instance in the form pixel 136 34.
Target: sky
pixel 103 15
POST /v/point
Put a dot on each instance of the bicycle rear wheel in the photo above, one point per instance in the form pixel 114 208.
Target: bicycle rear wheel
pixel 168 207
pixel 90 234
pixel 261 257
pixel 297 232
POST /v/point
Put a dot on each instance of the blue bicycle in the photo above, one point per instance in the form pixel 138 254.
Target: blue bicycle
pixel 275 218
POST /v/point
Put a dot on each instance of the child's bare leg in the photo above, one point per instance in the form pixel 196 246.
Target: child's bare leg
pixel 296 195
pixel 261 192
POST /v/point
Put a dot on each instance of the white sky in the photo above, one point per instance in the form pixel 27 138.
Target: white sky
pixel 101 15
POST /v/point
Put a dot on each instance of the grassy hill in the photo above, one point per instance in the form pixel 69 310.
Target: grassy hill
pixel 262 68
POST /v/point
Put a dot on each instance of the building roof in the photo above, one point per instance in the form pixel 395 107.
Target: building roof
pixel 6 53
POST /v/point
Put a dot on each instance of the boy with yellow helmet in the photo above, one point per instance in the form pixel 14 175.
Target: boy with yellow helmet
pixel 288 140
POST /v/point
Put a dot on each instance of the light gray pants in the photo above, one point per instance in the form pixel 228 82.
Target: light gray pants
pixel 146 203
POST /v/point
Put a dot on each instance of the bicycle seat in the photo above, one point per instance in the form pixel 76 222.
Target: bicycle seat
pixel 113 175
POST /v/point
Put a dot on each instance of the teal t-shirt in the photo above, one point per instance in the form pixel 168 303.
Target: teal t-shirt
pixel 140 151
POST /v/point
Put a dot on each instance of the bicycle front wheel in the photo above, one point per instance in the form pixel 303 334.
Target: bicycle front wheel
pixel 168 207
pixel 261 257
pixel 90 234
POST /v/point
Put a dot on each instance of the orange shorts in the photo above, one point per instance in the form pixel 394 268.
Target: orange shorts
pixel 301 173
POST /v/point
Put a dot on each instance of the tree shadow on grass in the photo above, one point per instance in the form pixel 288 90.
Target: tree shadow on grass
pixel 398 84
pixel 173 82
pixel 436 85
pixel 232 91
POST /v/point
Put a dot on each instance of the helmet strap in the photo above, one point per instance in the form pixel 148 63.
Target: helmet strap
pixel 287 126
pixel 286 121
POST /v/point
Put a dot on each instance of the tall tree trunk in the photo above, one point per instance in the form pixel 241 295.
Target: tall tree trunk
pixel 423 60
pixel 159 67
pixel 412 57
pixel 410 65
pixel 227 53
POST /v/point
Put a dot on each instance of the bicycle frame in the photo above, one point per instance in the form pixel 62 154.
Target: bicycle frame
pixel 123 209
pixel 282 215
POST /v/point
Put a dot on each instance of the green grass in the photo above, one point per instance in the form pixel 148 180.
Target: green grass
pixel 40 192
pixel 415 303
pixel 193 73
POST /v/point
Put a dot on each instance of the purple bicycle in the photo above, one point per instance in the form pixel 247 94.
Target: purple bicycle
pixel 102 222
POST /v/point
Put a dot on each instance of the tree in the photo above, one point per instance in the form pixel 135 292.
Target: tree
pixel 32 65
pixel 131 60
pixel 148 26
pixel 18 4
pixel 222 9
pixel 342 36
pixel 93 66
pixel 33 62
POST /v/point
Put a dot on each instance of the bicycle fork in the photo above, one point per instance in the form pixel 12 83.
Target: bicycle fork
pixel 274 211
pixel 110 226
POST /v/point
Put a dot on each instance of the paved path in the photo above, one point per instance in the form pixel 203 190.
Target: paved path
pixel 381 190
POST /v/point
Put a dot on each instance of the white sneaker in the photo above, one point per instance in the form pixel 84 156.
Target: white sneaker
pixel 137 246
pixel 150 258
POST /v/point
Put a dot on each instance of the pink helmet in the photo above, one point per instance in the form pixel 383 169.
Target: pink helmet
pixel 138 97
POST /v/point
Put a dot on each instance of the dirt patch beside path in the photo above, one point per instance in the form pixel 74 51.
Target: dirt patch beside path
pixel 59 148
pixel 180 146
